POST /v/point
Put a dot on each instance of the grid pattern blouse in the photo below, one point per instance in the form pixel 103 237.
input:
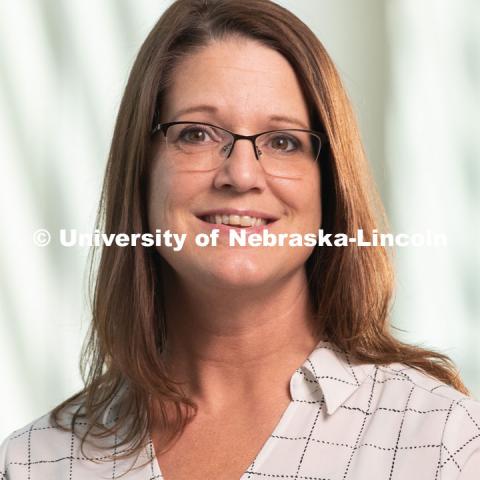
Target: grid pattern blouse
pixel 345 421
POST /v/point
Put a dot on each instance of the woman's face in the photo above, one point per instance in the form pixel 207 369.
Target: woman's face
pixel 244 84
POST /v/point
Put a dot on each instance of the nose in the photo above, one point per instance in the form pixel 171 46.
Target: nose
pixel 240 170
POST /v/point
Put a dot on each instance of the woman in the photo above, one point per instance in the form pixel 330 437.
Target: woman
pixel 223 362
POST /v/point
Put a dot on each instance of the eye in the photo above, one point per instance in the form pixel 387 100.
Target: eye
pixel 284 143
pixel 196 134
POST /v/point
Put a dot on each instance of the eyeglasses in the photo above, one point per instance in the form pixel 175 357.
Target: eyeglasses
pixel 202 146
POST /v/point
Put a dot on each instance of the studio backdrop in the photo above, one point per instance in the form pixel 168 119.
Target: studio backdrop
pixel 412 69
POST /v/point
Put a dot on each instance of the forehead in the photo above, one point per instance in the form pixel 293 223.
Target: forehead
pixel 246 82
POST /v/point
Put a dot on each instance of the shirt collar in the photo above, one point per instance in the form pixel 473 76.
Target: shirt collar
pixel 327 373
pixel 330 374
pixel 111 412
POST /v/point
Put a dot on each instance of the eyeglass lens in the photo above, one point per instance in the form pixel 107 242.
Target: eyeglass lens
pixel 283 152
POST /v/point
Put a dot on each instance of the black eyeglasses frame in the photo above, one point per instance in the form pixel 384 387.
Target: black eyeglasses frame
pixel 163 127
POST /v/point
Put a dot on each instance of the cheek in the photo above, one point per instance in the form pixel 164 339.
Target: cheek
pixel 302 199
pixel 315 201
pixel 309 198
pixel 164 195
pixel 171 195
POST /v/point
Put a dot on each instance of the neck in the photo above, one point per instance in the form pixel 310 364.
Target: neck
pixel 226 343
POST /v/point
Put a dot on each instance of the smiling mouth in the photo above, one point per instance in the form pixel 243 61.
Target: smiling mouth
pixel 239 221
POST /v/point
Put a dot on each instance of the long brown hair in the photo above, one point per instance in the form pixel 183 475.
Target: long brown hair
pixel 351 287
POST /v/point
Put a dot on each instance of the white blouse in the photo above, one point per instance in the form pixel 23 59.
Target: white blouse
pixel 344 421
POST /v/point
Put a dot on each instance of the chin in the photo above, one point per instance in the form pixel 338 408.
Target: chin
pixel 237 271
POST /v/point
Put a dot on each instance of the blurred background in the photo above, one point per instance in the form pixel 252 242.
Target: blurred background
pixel 412 70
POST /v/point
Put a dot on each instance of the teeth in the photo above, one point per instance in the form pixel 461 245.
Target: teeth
pixel 237 220
pixel 247 221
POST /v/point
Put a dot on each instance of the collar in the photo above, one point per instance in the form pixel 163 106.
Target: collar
pixel 330 374
pixel 110 415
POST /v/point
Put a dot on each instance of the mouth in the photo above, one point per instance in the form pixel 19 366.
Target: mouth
pixel 237 219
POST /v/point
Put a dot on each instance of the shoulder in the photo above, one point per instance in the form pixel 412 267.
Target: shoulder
pixel 430 411
pixel 41 449
pixel 30 447
pixel 399 379
pixel 16 448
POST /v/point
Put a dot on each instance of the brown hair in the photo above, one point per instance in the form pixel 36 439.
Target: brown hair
pixel 351 287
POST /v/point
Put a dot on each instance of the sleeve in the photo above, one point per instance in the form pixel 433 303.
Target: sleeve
pixel 471 469
pixel 460 445
pixel 3 459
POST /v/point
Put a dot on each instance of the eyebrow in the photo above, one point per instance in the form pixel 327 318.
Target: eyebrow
pixel 214 110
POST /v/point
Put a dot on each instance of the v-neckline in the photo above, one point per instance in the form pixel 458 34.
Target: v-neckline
pixel 259 459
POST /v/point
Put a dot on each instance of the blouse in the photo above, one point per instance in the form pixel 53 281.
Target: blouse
pixel 345 420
